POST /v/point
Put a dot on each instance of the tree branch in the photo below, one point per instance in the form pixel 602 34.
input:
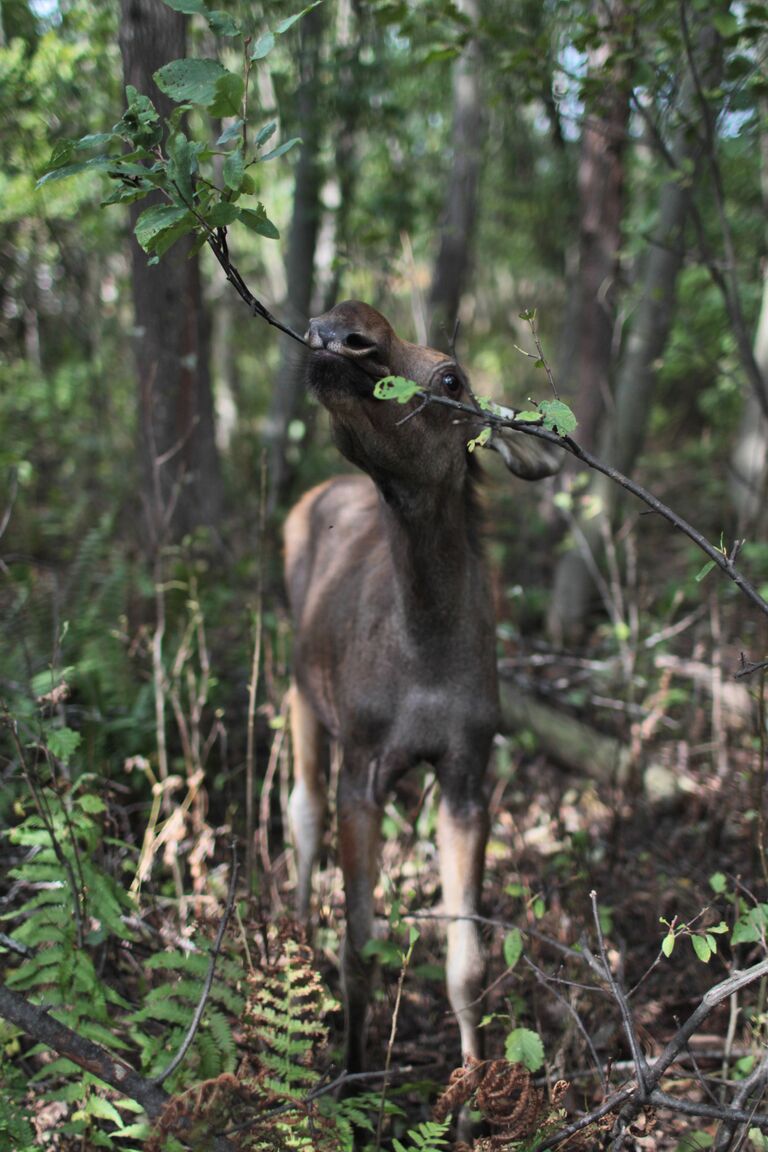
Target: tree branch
pixel 722 560
pixel 45 1029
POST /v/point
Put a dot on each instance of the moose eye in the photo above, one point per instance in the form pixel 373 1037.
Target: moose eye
pixel 451 383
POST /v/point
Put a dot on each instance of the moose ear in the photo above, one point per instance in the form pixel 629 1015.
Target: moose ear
pixel 527 456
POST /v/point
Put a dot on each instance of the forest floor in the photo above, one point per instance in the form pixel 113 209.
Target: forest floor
pixel 673 843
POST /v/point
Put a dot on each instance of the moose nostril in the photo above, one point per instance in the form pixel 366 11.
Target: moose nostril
pixel 358 342
pixel 319 335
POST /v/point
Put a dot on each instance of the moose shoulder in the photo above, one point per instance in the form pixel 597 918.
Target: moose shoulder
pixel 394 648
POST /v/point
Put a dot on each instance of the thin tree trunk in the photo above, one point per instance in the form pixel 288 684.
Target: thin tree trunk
pixel 622 439
pixel 749 461
pixel 179 463
pixel 601 209
pixel 349 106
pixel 300 261
pixel 452 266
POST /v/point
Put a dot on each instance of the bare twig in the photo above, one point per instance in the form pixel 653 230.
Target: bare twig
pixel 208 982
pixel 719 558
pixel 253 681
pixel 391 1042
pixel 217 242
pixel 641 1068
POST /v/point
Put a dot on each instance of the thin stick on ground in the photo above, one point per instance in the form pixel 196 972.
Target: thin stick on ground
pixel 391 1042
pixel 208 982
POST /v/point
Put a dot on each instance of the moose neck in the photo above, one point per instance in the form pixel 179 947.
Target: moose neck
pixel 433 536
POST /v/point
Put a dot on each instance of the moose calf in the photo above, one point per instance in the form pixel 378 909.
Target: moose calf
pixel 394 650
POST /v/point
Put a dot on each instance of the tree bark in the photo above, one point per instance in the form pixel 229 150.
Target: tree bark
pixel 749 461
pixel 300 261
pixel 179 463
pixel 454 257
pixel 622 438
pixel 37 1023
pixel 601 209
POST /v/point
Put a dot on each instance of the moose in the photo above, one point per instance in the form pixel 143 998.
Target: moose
pixel 394 635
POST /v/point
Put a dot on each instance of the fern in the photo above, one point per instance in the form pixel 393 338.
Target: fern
pixel 16 1129
pixel 172 1003
pixel 429 1135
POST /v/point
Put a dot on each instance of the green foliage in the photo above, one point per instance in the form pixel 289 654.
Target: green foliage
pixel 184 170
pixel 171 1002
pixel 557 416
pixel 396 388
pixel 428 1135
pixel 16 1130
pixel 68 928
pixel 513 947
pixel 523 1046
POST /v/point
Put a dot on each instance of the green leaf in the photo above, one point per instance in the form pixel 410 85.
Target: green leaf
pixel 529 417
pixel 718 882
pixel 263 46
pixel 168 238
pixel 74 169
pixel 228 95
pixel 257 220
pixel 62 742
pixel 289 21
pixel 91 803
pixel 280 150
pixel 726 24
pixel 701 948
pixel 558 417
pixel 705 571
pixel 222 24
pixel 668 944
pixel 232 131
pixel 95 140
pixel 101 1108
pixel 127 194
pixel 182 166
pixel 396 388
pixel 480 440
pixel 221 214
pixel 188 7
pixel 234 170
pixel 193 81
pixel 513 947
pixel 750 927
pixel 524 1047
pixel 156 220
pixel 264 133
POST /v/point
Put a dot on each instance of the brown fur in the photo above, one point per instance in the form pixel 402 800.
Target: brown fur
pixel 394 650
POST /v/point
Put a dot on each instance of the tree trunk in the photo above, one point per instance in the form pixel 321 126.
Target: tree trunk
pixel 601 208
pixel 300 261
pixel 622 439
pixel 179 463
pixel 749 461
pixel 452 266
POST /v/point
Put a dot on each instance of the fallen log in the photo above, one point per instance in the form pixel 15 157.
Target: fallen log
pixel 564 739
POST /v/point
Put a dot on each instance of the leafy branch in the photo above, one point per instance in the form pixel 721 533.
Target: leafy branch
pixel 141 154
pixel 553 421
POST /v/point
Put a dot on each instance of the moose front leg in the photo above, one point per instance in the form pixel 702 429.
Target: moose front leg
pixel 306 807
pixel 359 820
pixel 462 832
